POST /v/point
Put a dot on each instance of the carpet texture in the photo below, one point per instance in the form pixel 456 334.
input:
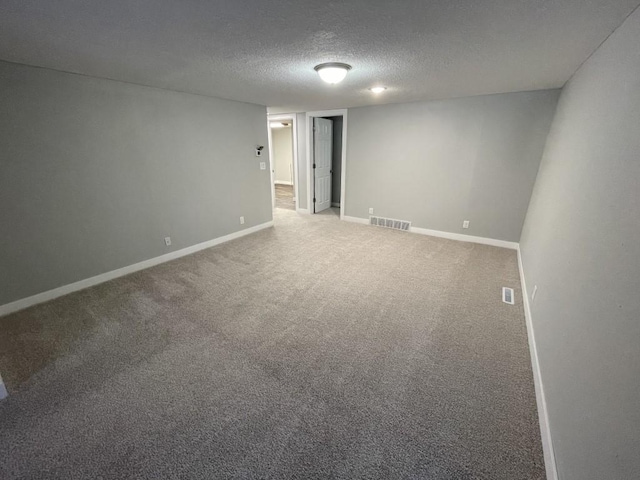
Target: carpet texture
pixel 315 349
pixel 284 197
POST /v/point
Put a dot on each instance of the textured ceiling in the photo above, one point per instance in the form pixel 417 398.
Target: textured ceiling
pixel 264 51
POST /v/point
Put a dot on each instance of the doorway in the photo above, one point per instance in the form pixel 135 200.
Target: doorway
pixel 283 154
pixel 326 154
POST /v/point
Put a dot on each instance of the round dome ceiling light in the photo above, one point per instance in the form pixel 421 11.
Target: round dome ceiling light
pixel 378 89
pixel 332 72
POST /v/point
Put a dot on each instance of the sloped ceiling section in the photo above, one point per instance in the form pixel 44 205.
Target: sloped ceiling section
pixel 264 51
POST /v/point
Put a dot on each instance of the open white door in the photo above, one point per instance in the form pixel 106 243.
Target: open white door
pixel 322 163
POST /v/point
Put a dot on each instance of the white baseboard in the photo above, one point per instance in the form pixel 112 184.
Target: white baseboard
pixel 543 414
pixel 451 236
pixel 466 238
pixel 335 204
pixel 105 277
pixel 303 210
pixel 282 182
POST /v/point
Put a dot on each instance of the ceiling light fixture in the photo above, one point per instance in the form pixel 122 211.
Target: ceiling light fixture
pixel 278 124
pixel 332 72
pixel 378 89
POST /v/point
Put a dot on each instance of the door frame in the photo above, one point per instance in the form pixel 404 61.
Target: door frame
pixel 343 163
pixel 294 140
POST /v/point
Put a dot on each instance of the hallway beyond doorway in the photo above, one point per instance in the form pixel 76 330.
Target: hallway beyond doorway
pixel 284 197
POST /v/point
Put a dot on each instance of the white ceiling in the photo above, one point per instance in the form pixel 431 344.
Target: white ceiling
pixel 264 51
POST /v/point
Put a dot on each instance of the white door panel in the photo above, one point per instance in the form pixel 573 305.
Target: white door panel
pixel 322 153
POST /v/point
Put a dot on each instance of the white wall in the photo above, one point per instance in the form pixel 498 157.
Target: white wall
pixel 439 163
pixel 282 139
pixel 581 247
pixel 95 173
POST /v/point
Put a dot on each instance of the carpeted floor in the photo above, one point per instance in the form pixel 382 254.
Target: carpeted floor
pixel 315 349
pixel 284 197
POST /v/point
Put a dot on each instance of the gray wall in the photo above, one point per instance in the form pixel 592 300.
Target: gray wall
pixel 95 173
pixel 581 247
pixel 439 163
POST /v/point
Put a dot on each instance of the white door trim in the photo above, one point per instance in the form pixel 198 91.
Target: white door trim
pixel 271 167
pixel 294 135
pixel 343 163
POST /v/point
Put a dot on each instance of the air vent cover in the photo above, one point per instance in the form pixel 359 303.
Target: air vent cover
pixel 507 295
pixel 390 223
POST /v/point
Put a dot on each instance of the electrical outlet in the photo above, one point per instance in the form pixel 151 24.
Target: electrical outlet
pixel 535 290
pixel 371 211
pixel 167 241
pixel 465 224
pixel 263 165
pixel 241 220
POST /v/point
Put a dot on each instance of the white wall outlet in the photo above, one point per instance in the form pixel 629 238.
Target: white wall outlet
pixel 167 241
pixel 535 290
pixel 241 220
pixel 371 211
pixel 263 165
pixel 465 224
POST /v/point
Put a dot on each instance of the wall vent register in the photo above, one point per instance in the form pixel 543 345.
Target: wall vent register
pixel 507 295
pixel 390 223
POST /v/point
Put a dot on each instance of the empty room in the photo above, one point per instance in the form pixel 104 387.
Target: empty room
pixel 337 240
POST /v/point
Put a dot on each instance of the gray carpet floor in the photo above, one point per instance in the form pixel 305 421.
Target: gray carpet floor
pixel 315 349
